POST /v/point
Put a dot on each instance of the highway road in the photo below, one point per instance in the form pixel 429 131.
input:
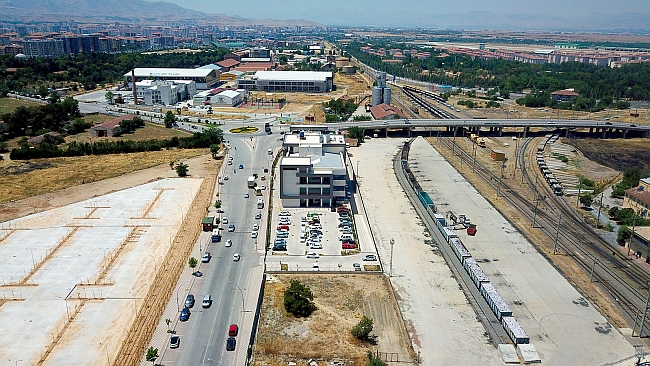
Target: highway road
pixel 204 339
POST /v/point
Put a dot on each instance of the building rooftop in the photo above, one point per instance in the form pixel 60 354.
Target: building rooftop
pixel 169 72
pixel 293 75
pixel 112 123
pixel 565 92
pixel 639 194
pixel 229 62
pixel 229 93
pixel 383 110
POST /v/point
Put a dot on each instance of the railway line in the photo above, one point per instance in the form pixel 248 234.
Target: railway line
pixel 625 282
pixel 419 97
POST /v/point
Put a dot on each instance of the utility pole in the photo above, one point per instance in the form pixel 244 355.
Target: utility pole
pixel 474 152
pixel 591 276
pixel 557 234
pixel 645 311
pixel 578 200
pixel 503 165
pixel 599 207
pixel 392 242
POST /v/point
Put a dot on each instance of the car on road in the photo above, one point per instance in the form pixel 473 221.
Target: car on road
pixel 224 220
pixel 207 301
pixel 246 195
pixel 233 330
pixel 256 227
pixel 174 341
pixel 228 243
pixel 551 122
pixel 225 177
pixel 369 257
pixel 313 255
pixel 236 257
pixel 229 162
pixel 194 127
pixel 189 301
pixel 357 266
pixel 254 234
pixel 241 166
pixel 231 343
pixel 263 187
pixel 231 228
pixel 258 216
pixel 608 123
pixel 185 315
pixel 206 257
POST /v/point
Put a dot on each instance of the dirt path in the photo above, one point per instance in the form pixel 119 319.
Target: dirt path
pixel 200 167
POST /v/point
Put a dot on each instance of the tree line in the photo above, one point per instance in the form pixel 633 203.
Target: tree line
pixel 593 82
pixel 91 69
pixel 36 120
pixel 198 140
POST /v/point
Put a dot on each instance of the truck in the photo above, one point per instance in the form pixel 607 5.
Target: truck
pixel 251 182
pixel 477 140
pixel 267 128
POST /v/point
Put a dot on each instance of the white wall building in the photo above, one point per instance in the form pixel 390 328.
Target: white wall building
pixel 204 78
pixel 288 81
pixel 229 98
pixel 167 92
pixel 313 172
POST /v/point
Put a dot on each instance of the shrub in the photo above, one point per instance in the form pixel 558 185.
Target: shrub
pixel 363 328
pixel 298 300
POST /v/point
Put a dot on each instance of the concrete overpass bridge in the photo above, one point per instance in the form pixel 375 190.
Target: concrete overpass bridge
pixel 496 126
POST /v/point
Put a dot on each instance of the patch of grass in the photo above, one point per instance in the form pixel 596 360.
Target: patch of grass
pixel 372 267
pixel 8 105
pixel 62 173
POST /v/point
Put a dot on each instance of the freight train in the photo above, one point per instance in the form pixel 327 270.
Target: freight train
pixel 471 266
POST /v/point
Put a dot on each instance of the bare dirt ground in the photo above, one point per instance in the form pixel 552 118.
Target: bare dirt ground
pixel 41 189
pixel 618 154
pixel 148 132
pixel 565 264
pixel 325 336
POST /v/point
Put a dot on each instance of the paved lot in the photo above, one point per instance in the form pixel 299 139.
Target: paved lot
pixel 441 324
pixel 563 326
pixel 94 263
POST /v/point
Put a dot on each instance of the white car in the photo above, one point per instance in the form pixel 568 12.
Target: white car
pixel 225 177
pixel 246 195
pixel 228 243
pixel 254 234
pixel 224 220
pixel 256 227
pixel 284 213
pixel 313 255
pixel 263 187
pixel 235 257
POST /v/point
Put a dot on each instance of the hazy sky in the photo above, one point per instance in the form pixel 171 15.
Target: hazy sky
pixel 403 12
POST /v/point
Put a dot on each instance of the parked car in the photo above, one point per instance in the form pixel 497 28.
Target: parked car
pixel 313 255
pixel 369 257
pixel 206 257
pixel 228 243
pixel 185 315
pixel 225 177
pixel 258 216
pixel 236 257
pixel 284 213
pixel 254 234
pixel 207 301
pixel 231 343
pixel 280 248
pixel 233 330
pixel 357 266
pixel 347 245
pixel 189 301
pixel 282 227
pixel 174 341
pixel 256 227
pixel 315 246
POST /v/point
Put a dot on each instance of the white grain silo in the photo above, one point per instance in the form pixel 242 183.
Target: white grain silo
pixel 376 95
pixel 387 95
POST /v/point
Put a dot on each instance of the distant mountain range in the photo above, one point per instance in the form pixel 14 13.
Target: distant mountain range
pixel 121 10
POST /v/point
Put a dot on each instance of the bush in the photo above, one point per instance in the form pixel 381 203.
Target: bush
pixel 298 300
pixel 182 169
pixel 192 262
pixel 363 328
pixel 374 360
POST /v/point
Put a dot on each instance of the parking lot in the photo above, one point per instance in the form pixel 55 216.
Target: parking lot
pixel 309 238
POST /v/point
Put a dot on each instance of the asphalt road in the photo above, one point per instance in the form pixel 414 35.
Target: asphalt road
pixel 204 341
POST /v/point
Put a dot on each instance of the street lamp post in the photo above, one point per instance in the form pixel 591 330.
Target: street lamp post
pixel 242 295
pixel 392 242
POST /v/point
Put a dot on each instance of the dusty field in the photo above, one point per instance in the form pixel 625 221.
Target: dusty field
pixel 565 264
pixel 148 132
pixel 19 180
pixel 8 105
pixel 341 301
pixel 619 154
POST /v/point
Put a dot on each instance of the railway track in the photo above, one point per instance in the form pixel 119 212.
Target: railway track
pixel 419 97
pixel 625 282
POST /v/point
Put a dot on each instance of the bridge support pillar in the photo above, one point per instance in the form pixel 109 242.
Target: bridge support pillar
pixel 409 132
pixel 525 131
pixel 591 130
pixel 624 132
pixel 385 132
pixel 500 131
pixel 566 133
pixel 603 134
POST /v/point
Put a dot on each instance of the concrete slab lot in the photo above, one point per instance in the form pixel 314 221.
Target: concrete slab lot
pixel 78 273
pixel 564 327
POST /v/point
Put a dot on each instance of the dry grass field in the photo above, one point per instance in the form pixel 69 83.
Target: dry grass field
pixel 8 105
pixel 148 132
pixel 618 154
pixel 22 179
pixel 341 301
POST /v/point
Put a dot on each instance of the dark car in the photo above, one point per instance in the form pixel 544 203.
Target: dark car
pixel 185 314
pixel 189 301
pixel 233 330
pixel 357 266
pixel 241 166
pixel 230 344
pixel 174 341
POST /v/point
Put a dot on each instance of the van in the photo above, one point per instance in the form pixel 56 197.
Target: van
pixel 270 151
pixel 207 301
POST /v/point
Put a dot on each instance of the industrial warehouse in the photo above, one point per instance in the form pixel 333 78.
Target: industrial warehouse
pixel 289 81
pixel 204 78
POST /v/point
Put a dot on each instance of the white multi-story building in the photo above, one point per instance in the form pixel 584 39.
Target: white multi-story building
pixel 313 171
pixel 168 92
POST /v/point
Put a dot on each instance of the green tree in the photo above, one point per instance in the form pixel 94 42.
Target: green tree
pixel 152 354
pixel 42 90
pixel 192 262
pixel 170 119
pixel 356 133
pixel 624 234
pixel 586 200
pixel 283 59
pixel 363 328
pixel 217 204
pixel 214 150
pixel 374 360
pixel 3 147
pixel 182 169
pixel 298 299
pixel 54 98
pixel 109 96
